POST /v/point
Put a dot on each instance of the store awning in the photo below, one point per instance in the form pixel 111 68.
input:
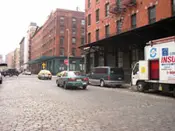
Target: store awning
pixel 139 36
pixel 41 59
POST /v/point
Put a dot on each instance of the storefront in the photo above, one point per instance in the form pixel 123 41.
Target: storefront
pixel 123 50
pixel 56 64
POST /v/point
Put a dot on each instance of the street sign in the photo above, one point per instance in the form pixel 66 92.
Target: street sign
pixel 43 65
pixel 66 61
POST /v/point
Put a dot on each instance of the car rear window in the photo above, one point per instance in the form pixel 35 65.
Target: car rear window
pixel 116 71
pixel 74 74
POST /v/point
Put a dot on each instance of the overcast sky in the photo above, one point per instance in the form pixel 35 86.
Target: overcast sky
pixel 16 15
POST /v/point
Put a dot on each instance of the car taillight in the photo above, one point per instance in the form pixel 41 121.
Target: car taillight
pixel 109 78
pixel 85 79
pixel 71 79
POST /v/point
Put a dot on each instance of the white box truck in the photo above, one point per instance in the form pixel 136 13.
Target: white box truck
pixel 157 71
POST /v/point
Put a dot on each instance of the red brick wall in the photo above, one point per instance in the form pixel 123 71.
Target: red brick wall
pixel 36 45
pixel 48 38
pixel 163 10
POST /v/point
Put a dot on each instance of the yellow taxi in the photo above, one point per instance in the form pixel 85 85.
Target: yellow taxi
pixel 45 74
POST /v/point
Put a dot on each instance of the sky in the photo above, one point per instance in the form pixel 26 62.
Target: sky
pixel 16 15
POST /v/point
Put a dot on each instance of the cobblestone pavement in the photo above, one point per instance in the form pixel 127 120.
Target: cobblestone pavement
pixel 29 104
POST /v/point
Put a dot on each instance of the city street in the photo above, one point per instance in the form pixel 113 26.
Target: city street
pixel 29 104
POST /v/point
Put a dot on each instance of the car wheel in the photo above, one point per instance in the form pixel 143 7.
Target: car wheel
pixel 102 83
pixel 57 83
pixel 84 87
pixel 140 86
pixel 65 86
pixel 174 92
pixel 0 81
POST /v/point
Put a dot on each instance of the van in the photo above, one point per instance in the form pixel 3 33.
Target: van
pixel 106 76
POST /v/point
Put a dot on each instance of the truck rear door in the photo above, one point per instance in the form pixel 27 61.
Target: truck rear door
pixel 154 69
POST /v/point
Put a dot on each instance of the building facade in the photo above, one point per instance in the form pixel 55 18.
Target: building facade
pixel 17 58
pixel 22 42
pixel 107 22
pixel 10 59
pixel 63 32
pixel 27 43
pixel 1 59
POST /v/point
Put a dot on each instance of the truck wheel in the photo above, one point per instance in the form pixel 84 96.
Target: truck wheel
pixel 57 83
pixel 140 86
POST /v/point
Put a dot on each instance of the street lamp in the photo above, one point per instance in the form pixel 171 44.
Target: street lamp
pixel 68 49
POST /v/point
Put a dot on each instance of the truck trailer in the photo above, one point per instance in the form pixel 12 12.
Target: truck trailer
pixel 157 70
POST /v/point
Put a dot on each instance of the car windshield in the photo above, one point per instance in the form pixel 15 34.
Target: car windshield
pixel 116 71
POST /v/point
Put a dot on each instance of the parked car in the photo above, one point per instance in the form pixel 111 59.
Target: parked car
pixel 0 78
pixel 10 72
pixel 27 73
pixel 45 74
pixel 72 79
pixel 105 75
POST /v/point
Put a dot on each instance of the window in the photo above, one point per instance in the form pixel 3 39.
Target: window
pixel 89 3
pixel 152 14
pixel 119 4
pixel 101 70
pixel 61 41
pixel 97 34
pixel 136 69
pixel 61 20
pixel 82 40
pixel 173 7
pixel 133 21
pixel 82 31
pixel 97 15
pixel 89 37
pixel 61 51
pixel 119 26
pixel 73 51
pixel 107 9
pixel 62 30
pixel 73 31
pixel 72 67
pixel 82 22
pixel 107 30
pixel 74 21
pixel 73 40
pixel 89 19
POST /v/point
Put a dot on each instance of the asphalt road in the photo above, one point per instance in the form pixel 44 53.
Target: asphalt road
pixel 29 104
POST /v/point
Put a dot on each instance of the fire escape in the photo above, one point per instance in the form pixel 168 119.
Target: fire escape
pixel 120 8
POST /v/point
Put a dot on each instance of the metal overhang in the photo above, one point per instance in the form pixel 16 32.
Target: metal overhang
pixel 160 29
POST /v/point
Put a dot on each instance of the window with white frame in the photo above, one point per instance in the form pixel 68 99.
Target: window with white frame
pixel 82 22
pixel 152 14
pixel 107 9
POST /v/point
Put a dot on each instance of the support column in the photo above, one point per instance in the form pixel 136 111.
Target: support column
pixel 96 59
pixel 105 56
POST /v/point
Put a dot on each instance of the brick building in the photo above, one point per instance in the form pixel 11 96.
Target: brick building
pixel 16 58
pixel 51 40
pixel 117 30
pixel 1 58
pixel 10 60
pixel 22 42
